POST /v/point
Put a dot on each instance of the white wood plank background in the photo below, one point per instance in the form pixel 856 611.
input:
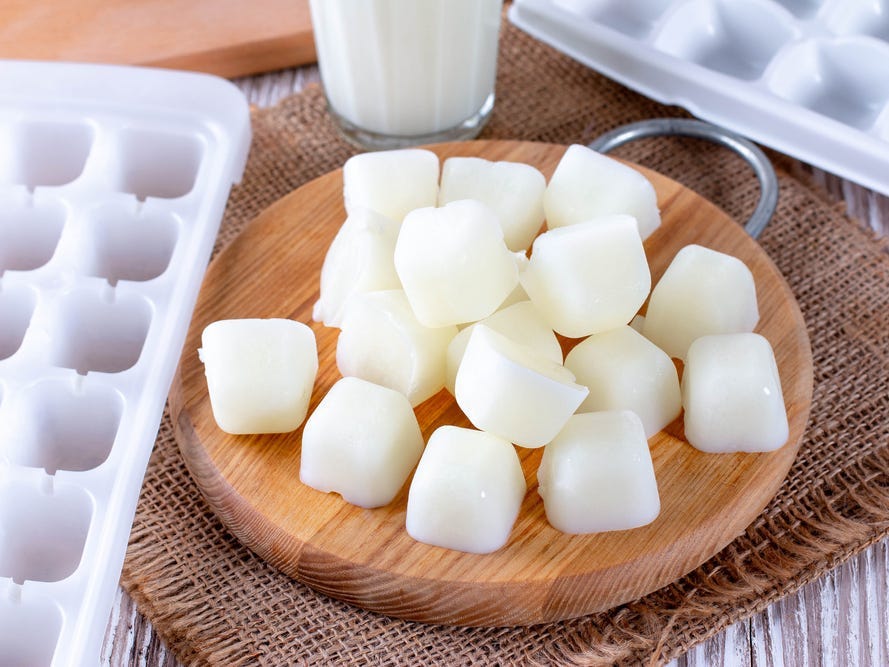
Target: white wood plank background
pixel 841 619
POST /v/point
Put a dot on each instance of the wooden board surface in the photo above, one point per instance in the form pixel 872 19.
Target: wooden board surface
pixel 223 37
pixel 365 556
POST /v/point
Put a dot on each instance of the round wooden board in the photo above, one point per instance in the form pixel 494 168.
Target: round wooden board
pixel 365 556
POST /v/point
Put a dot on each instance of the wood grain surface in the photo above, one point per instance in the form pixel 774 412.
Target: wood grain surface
pixel 223 37
pixel 365 556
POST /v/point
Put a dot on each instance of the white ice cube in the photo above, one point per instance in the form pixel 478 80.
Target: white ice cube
pixel 453 263
pixel 587 185
pixel 517 295
pixel 362 441
pixel 702 292
pixel 512 391
pixel 597 475
pixel 382 342
pixel 466 491
pixel 360 259
pixel 625 371
pixel 260 373
pixel 518 292
pixel 519 322
pixel 391 183
pixel 514 191
pixel 732 396
pixel 588 277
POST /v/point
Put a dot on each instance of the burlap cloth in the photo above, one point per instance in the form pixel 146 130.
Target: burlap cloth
pixel 215 602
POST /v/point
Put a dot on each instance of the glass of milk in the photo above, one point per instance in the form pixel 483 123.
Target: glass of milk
pixel 403 72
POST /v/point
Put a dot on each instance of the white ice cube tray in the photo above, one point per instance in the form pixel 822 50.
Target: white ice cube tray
pixel 113 182
pixel 809 78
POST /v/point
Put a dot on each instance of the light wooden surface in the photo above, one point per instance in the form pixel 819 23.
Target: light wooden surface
pixel 841 618
pixel 224 37
pixel 365 556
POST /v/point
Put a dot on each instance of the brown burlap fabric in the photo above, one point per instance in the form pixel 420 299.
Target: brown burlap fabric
pixel 214 602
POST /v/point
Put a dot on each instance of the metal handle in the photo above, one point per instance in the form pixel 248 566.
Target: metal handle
pixel 765 173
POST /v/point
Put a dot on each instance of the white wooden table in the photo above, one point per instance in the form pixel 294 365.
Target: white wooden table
pixel 841 619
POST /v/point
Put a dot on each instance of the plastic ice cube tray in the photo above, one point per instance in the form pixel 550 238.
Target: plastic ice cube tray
pixel 809 78
pixel 113 181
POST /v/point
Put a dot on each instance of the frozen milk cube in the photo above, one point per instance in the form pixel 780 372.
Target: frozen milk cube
pixel 382 342
pixel 466 491
pixel 453 263
pixel 360 259
pixel 625 371
pixel 362 441
pixel 518 292
pixel 702 292
pixel 597 475
pixel 512 391
pixel 514 191
pixel 260 373
pixel 588 277
pixel 732 396
pixel 587 184
pixel 391 183
pixel 519 322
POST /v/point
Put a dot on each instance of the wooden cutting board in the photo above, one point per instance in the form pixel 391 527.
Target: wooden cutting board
pixel 224 37
pixel 365 556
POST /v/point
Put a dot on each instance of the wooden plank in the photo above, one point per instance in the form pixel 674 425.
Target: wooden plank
pixel 130 639
pixel 875 600
pixel 730 647
pixel 224 37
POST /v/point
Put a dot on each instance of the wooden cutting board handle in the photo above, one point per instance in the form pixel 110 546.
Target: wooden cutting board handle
pixel 224 37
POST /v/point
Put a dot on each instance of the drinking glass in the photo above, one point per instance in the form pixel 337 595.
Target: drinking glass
pixel 404 72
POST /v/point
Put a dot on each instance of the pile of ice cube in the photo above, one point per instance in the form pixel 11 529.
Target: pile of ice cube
pixel 431 285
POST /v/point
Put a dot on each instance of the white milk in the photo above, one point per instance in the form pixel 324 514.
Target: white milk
pixel 408 68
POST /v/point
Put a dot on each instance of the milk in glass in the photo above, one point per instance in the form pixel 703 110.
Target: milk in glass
pixel 401 72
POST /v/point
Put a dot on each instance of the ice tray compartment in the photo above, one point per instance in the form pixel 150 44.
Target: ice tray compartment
pixel 16 309
pixel 802 9
pixel 44 153
pixel 29 631
pixel 858 17
pixel 42 530
pixel 113 182
pixel 736 38
pixel 29 231
pixel 122 242
pixel 152 163
pixel 635 19
pixel 806 77
pixel 97 332
pixel 845 79
pixel 60 425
